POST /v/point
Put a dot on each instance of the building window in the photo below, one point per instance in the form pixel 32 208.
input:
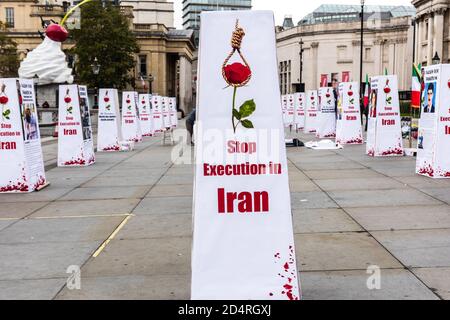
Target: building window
pixel 367 54
pixel 143 65
pixel 9 17
pixel 285 76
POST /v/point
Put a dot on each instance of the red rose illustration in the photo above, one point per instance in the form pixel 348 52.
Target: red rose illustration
pixel 56 32
pixel 4 99
pixel 67 100
pixel 448 83
pixel 106 99
pixel 237 73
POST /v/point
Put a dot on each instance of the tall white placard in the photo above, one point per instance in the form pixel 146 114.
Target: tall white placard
pixel 145 116
pixel 433 155
pixel 109 126
pixel 348 128
pixel 131 129
pixel 173 112
pixel 166 113
pixel 300 101
pixel 243 246
pixel 326 120
pixel 284 106
pixel 312 110
pixel 21 160
pixel 290 112
pixel 75 143
pixel 157 114
pixel 384 136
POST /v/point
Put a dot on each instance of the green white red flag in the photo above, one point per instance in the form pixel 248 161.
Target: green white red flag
pixel 366 92
pixel 416 88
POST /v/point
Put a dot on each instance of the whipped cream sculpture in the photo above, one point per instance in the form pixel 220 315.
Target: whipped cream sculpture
pixel 47 60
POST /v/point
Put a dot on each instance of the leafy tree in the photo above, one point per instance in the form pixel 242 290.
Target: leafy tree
pixel 106 35
pixel 9 60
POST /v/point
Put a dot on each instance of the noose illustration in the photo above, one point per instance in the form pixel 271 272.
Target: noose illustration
pixel 238 75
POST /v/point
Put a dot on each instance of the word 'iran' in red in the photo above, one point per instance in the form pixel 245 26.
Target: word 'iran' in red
pixel 247 202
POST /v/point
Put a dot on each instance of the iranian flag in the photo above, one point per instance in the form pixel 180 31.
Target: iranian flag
pixel 416 88
pixel 366 92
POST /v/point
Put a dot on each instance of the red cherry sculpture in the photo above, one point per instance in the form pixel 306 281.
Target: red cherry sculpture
pixel 4 100
pixel 56 32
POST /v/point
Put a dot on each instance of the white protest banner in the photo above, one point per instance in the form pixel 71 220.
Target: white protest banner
pixel 300 101
pixel 290 111
pixel 433 158
pixel 173 112
pixel 284 106
pixel 243 245
pixel 21 159
pixel 131 130
pixel 145 117
pixel 157 114
pixel 312 110
pixel 166 113
pixel 326 120
pixel 349 130
pixel 75 144
pixel 109 127
pixel 384 135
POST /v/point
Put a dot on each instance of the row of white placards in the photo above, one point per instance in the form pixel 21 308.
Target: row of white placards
pixel 143 115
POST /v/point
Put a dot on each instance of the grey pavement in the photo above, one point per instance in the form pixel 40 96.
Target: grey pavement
pixel 127 221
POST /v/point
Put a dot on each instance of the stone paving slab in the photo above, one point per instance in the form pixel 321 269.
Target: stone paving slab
pixel 323 221
pixel 311 200
pixel 396 284
pixel 166 256
pixel 438 279
pixel 98 193
pixel 37 289
pixel 375 198
pixel 342 174
pixel 164 205
pixel 359 184
pixel 442 194
pixel 418 248
pixel 402 218
pixel 12 210
pixel 50 193
pixel 157 226
pixel 341 251
pixel 60 230
pixel 122 181
pixel 171 190
pixel 131 287
pixel 42 260
pixel 87 208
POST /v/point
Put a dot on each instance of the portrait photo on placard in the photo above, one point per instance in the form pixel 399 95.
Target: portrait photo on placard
pixel 85 123
pixel 29 122
pixel 430 98
pixel 373 103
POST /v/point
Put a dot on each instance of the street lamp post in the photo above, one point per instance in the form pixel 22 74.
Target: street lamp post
pixel 95 70
pixel 35 82
pixel 436 59
pixel 150 81
pixel 361 53
pixel 301 65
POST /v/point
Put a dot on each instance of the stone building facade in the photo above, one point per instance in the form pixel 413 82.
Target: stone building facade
pixel 331 46
pixel 432 30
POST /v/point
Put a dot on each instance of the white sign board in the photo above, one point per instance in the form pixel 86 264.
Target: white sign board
pixel 131 129
pixel 284 106
pixel 290 111
pixel 326 120
pixel 300 101
pixel 384 136
pixel 348 127
pixel 433 158
pixel 109 127
pixel 75 143
pixel 312 110
pixel 21 160
pixel 173 112
pixel 243 246
pixel 145 116
pixel 157 114
pixel 166 113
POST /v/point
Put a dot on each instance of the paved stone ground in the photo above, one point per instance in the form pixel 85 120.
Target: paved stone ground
pixel 350 211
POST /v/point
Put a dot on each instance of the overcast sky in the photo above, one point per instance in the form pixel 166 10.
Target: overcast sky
pixel 297 8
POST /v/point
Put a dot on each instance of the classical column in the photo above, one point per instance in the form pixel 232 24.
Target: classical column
pixel 430 40
pixel 378 58
pixel 185 97
pixel 315 57
pixel 418 44
pixel 438 39
pixel 391 57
